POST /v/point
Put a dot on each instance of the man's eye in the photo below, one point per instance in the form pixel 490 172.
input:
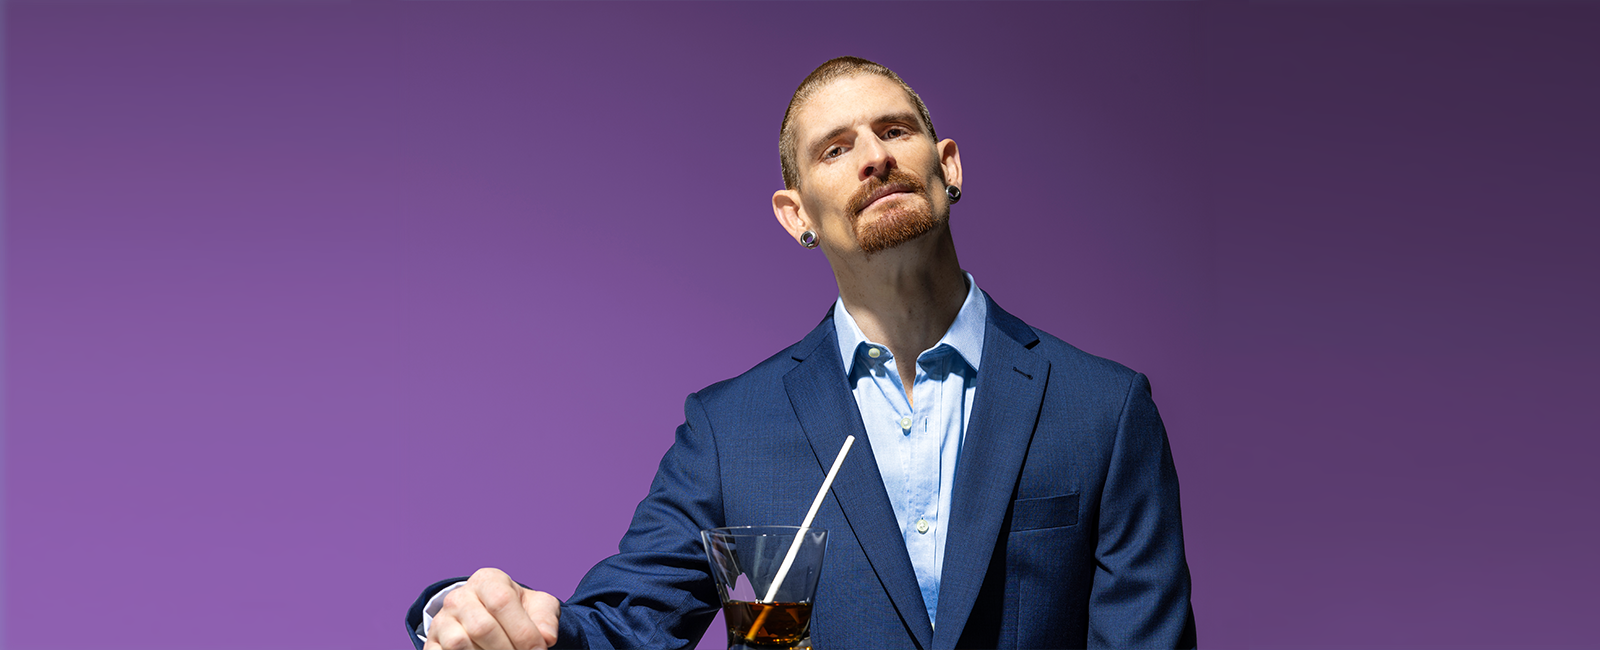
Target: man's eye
pixel 894 132
pixel 833 152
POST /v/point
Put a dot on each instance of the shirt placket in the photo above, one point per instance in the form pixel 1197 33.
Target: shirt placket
pixel 922 506
pixel 900 415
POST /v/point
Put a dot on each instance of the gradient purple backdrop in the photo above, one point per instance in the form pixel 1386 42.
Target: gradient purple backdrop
pixel 311 304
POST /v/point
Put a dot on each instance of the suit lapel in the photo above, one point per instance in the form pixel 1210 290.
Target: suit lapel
pixel 1004 413
pixel 828 412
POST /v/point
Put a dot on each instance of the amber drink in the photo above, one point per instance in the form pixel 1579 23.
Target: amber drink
pixel 772 625
pixel 746 561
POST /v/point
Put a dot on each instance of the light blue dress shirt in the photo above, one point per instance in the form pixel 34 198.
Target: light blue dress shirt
pixel 917 448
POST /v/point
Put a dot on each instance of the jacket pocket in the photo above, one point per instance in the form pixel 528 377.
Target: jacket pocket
pixel 1044 512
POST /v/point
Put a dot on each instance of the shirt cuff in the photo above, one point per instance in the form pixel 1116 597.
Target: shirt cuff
pixel 435 604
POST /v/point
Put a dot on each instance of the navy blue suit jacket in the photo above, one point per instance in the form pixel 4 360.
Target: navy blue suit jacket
pixel 1064 528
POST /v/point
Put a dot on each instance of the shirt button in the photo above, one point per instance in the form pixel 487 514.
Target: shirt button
pixel 905 423
pixel 922 525
pixel 874 353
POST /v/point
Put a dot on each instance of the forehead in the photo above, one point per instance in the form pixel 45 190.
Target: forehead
pixel 847 101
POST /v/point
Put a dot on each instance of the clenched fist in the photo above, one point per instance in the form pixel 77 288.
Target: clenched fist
pixel 492 612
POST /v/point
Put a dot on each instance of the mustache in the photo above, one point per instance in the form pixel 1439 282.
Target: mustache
pixel 864 194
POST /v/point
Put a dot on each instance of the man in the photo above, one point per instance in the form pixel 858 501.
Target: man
pixel 1006 489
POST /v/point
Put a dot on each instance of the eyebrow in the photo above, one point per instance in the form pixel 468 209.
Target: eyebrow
pixel 910 119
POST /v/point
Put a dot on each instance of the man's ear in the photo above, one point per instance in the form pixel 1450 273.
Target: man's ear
pixel 950 161
pixel 790 213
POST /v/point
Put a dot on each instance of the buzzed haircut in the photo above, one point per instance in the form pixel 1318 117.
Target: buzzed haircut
pixel 844 66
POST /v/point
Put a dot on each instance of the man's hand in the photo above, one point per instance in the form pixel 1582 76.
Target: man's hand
pixel 491 612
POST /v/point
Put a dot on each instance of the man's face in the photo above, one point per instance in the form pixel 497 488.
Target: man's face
pixel 869 172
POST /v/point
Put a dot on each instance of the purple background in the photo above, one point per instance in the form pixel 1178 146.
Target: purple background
pixel 310 304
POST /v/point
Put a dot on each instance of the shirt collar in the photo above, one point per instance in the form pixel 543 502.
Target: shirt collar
pixel 965 334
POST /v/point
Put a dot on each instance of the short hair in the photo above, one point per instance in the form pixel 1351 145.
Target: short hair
pixel 844 66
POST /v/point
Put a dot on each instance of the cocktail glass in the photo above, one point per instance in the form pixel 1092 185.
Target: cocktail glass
pixel 746 560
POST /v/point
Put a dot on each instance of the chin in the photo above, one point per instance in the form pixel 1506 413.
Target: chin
pixel 899 226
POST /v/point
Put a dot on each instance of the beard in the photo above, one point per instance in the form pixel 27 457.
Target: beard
pixel 911 218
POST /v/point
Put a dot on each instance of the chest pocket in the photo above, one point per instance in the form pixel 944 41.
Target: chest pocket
pixel 1044 512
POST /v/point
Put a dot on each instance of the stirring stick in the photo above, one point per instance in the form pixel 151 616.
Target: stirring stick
pixel 794 548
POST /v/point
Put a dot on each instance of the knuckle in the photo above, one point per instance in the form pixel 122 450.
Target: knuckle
pixel 456 599
pixel 478 624
pixel 440 623
pixel 525 638
pixel 496 596
pixel 488 574
pixel 453 638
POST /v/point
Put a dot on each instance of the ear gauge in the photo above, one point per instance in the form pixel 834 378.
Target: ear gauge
pixel 953 192
pixel 809 238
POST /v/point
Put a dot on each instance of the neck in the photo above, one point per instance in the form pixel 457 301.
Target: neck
pixel 906 297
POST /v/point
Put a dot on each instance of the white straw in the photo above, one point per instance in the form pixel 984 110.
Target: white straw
pixel 794 549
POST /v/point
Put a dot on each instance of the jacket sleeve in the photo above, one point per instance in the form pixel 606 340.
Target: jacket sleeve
pixel 1140 597
pixel 657 591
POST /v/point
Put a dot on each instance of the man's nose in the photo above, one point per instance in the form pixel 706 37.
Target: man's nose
pixel 875 158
